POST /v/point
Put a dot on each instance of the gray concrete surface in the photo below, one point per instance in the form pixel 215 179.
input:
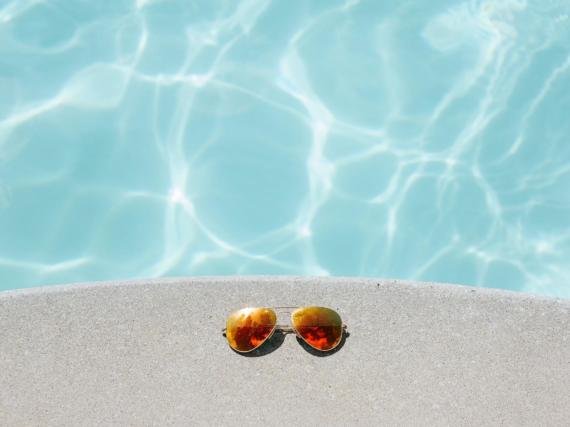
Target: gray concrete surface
pixel 151 353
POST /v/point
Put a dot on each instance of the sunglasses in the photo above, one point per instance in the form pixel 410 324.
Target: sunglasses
pixel 248 328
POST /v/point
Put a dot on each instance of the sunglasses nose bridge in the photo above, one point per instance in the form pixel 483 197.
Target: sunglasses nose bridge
pixel 284 318
pixel 286 329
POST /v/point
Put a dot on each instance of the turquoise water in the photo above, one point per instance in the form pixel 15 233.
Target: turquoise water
pixel 413 140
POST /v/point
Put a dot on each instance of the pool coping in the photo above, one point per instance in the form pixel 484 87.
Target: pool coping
pixel 439 286
pixel 143 352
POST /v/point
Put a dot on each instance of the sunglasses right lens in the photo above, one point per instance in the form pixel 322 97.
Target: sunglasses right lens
pixel 320 327
pixel 248 328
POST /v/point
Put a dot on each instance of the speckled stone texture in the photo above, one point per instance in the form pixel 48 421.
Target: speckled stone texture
pixel 151 353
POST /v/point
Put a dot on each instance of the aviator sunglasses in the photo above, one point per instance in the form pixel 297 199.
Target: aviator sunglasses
pixel 248 328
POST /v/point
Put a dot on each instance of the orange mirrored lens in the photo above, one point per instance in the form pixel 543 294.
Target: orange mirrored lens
pixel 320 327
pixel 248 328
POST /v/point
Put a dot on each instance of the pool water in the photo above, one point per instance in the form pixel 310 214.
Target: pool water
pixel 412 140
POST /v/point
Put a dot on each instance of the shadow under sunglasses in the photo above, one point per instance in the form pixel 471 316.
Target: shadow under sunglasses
pixel 276 340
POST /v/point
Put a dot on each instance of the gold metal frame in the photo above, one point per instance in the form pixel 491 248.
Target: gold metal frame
pixel 287 329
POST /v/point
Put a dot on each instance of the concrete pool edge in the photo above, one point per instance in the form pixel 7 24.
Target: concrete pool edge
pixel 441 287
pixel 501 355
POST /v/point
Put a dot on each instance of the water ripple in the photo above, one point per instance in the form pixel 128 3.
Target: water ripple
pixel 146 138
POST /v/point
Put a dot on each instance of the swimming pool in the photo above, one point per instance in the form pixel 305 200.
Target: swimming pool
pixel 413 140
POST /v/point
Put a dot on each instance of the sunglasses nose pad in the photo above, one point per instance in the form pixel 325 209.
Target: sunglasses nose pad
pixel 249 328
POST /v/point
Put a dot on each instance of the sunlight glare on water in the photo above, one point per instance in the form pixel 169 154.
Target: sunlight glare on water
pixel 412 140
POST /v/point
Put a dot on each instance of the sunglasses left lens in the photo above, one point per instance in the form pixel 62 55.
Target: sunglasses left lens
pixel 248 328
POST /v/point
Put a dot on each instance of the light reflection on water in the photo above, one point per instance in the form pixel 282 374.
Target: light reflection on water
pixel 408 140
